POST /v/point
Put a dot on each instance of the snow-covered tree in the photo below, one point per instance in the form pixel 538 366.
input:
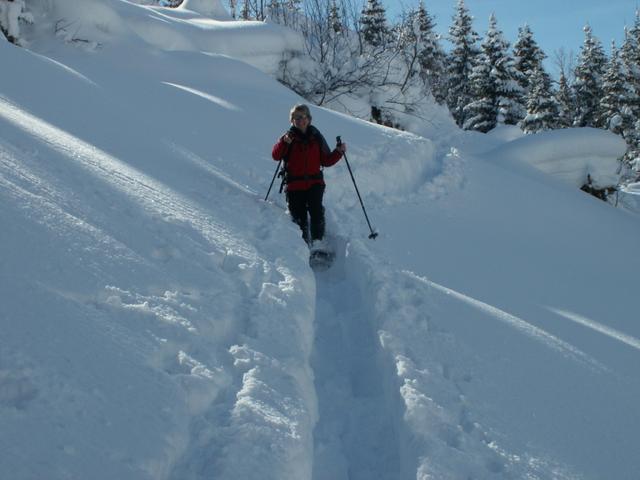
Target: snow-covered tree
pixel 373 20
pixel 419 46
pixel 588 81
pixel 528 58
pixel 431 55
pixel 460 62
pixel 481 113
pixel 293 11
pixel 336 25
pixel 632 157
pixel 566 103
pixel 494 85
pixel 629 51
pixel 511 100
pixel 543 111
pixel 334 65
pixel 245 11
pixel 12 14
pixel 630 54
pixel 283 12
pixel 615 108
pixel 233 8
pixel 261 9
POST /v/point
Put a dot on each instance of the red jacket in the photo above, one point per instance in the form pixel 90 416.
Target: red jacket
pixel 304 157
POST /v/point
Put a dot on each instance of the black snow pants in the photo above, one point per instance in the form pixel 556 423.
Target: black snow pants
pixel 305 204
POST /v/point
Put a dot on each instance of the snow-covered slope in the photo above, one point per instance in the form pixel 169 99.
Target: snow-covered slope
pixel 159 320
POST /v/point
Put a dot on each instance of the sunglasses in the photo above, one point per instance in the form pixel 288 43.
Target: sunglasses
pixel 300 117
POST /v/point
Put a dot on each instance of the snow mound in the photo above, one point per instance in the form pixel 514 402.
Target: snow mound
pixel 207 8
pixel 569 155
pixel 632 188
pixel 197 26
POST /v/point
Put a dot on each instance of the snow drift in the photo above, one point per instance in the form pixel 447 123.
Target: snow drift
pixel 569 155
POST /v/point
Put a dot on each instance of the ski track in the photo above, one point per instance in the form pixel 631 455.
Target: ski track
pixel 526 328
pixel 598 327
pixel 356 436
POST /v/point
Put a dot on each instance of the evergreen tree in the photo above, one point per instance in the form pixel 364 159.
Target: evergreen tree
pixel 632 157
pixel 588 83
pixel 566 103
pixel 421 48
pixel 528 58
pixel 462 59
pixel 543 111
pixel 373 21
pixel 629 51
pixel 494 85
pixel 511 99
pixel 630 54
pixel 481 114
pixel 615 109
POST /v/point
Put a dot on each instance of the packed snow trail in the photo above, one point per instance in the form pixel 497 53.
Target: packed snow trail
pixel 356 436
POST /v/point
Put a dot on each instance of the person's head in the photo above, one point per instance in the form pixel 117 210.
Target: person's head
pixel 300 117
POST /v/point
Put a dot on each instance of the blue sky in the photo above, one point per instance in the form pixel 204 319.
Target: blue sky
pixel 555 23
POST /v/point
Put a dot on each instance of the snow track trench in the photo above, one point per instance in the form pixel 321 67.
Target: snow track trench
pixel 360 433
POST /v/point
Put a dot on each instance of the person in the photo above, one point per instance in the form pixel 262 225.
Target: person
pixel 305 152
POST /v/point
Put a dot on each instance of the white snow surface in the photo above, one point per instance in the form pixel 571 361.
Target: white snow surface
pixel 159 319
pixel 207 8
pixel 196 26
pixel 569 155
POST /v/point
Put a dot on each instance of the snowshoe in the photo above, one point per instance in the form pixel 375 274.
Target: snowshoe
pixel 321 256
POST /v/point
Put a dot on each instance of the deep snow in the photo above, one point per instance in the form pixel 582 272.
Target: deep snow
pixel 159 320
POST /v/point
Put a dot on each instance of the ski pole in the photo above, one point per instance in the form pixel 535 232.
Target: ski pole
pixel 373 234
pixel 273 180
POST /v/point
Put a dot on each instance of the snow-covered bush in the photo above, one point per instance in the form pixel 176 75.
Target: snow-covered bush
pixel 12 14
pixel 359 65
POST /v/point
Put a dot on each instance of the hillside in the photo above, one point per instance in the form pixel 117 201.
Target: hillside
pixel 159 320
